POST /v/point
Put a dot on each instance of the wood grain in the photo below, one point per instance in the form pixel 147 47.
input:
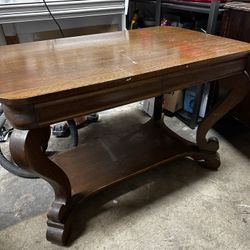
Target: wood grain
pixel 50 81
pixel 92 62
pixel 27 151
pixel 119 157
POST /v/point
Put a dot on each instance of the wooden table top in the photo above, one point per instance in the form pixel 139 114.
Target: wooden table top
pixel 87 63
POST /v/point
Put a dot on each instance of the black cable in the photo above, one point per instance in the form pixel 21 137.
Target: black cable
pixel 59 27
pixel 14 169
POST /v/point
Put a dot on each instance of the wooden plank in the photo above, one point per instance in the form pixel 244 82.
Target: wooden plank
pixel 111 158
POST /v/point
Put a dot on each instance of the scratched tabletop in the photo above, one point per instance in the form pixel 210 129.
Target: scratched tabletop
pixel 95 61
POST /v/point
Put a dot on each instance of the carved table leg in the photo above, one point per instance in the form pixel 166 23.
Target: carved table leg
pixel 158 108
pixel 27 151
pixel 239 86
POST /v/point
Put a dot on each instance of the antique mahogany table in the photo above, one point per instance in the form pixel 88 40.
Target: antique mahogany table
pixel 50 81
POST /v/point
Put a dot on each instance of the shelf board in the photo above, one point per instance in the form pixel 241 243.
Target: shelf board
pixel 200 7
pixel 112 158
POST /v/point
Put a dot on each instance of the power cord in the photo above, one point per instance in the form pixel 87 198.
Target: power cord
pixel 59 27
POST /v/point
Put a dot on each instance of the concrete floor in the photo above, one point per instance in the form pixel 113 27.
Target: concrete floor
pixel 180 206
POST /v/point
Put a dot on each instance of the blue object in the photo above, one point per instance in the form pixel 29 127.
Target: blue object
pixel 189 99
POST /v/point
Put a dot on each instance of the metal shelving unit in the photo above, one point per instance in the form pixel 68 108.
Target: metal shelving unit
pixel 212 9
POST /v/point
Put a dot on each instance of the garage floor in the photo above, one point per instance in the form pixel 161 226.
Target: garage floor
pixel 177 206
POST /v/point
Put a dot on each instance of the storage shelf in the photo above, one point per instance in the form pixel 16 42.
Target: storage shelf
pixel 205 9
pixel 110 159
pixel 212 9
pixel 184 5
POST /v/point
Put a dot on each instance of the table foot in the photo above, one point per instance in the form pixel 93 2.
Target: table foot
pixel 208 160
pixel 57 233
pixel 27 151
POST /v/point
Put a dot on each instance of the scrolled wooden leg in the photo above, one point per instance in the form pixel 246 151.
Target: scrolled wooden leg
pixel 158 108
pixel 208 160
pixel 27 150
pixel 238 86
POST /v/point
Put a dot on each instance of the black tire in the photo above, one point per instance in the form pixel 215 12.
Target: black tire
pixel 14 169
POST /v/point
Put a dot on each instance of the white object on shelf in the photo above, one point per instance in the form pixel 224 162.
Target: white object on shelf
pixel 148 106
pixel 204 100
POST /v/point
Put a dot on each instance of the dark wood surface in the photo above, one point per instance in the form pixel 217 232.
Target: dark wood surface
pixel 89 62
pixel 235 25
pixel 39 82
pixel 60 79
pixel 119 157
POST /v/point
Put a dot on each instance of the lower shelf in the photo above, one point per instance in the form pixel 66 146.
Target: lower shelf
pixel 113 158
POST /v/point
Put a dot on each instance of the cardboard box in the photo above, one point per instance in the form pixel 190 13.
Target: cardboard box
pixel 173 101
